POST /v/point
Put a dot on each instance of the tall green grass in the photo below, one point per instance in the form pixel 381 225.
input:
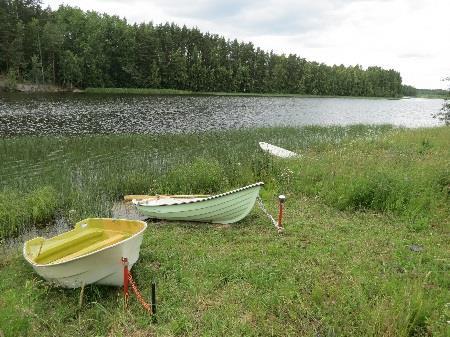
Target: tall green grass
pixel 332 273
pixel 18 210
pixel 342 269
pixel 404 172
pixel 87 174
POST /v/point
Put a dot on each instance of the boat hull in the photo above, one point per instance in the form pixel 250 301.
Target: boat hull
pixel 277 151
pixel 101 267
pixel 224 208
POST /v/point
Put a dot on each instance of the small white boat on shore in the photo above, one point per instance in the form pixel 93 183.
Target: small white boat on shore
pixel 223 208
pixel 90 253
pixel 277 151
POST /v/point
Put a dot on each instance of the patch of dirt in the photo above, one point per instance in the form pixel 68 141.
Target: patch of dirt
pixel 224 226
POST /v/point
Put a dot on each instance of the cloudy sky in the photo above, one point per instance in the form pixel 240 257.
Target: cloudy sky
pixel 411 36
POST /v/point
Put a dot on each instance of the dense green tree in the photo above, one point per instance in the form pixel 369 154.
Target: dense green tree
pixel 153 80
pixel 444 114
pixel 35 33
pixel 77 48
pixel 52 40
pixel 71 68
pixel 280 74
pixel 408 90
pixel 176 70
pixel 15 51
pixel 35 69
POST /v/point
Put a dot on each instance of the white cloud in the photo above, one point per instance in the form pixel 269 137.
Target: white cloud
pixel 406 35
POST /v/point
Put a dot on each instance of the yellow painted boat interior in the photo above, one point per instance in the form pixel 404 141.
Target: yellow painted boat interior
pixel 88 236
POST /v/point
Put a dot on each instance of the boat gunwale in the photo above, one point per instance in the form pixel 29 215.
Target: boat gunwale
pixel 34 264
pixel 181 202
pixel 204 207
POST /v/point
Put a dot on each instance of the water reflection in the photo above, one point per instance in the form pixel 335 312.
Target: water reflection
pixel 72 114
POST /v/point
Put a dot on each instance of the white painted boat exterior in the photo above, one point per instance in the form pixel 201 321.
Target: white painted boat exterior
pixel 103 266
pixel 277 151
pixel 223 208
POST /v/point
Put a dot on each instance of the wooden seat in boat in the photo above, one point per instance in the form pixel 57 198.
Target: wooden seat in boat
pixel 85 242
pixel 93 247
pixel 52 250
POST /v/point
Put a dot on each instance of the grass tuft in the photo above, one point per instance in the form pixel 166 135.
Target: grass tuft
pixel 202 176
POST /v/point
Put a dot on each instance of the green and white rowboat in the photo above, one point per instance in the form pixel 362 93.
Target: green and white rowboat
pixel 90 253
pixel 223 208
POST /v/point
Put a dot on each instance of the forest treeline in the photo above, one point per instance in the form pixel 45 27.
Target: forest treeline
pixel 408 90
pixel 71 47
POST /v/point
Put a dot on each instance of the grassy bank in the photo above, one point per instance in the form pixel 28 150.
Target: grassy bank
pixel 87 174
pixel 403 173
pixel 358 199
pixel 150 91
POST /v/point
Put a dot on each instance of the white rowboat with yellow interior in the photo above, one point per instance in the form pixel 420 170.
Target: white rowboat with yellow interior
pixel 90 253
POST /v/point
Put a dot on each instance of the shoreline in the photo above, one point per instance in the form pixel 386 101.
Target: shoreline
pixel 51 89
pixel 151 91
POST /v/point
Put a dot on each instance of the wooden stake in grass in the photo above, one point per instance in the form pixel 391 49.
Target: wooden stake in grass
pixel 281 200
pixel 125 280
pixel 80 303
pixel 80 300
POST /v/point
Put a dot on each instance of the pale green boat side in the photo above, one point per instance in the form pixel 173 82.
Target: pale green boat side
pixel 224 208
pixel 90 253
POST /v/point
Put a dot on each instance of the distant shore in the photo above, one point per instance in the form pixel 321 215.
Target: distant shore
pixel 50 88
pixel 151 91
pixel 5 86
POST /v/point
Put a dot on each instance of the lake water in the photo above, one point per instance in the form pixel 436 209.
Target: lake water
pixel 72 114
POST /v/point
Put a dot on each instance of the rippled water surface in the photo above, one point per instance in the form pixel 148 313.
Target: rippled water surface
pixel 73 114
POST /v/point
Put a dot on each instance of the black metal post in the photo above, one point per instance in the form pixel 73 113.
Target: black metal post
pixel 154 306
